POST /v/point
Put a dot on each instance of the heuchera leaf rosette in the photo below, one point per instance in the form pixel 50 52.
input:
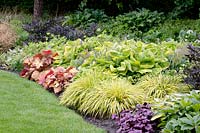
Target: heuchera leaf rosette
pixel 37 63
pixel 56 79
pixel 38 68
pixel 138 121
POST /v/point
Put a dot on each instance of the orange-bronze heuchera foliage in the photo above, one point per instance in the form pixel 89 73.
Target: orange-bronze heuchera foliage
pixel 38 68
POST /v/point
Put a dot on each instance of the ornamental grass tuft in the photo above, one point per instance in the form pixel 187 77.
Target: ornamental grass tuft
pixel 111 97
pixel 158 86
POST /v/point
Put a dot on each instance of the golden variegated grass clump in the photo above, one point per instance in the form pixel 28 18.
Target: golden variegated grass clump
pixel 74 95
pixel 101 94
pixel 7 37
pixel 111 97
pixel 158 86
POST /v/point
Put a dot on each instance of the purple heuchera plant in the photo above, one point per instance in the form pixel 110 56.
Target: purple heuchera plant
pixel 138 121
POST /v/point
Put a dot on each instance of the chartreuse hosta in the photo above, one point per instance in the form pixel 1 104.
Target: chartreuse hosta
pixel 126 58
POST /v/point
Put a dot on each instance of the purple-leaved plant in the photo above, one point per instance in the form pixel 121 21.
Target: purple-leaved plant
pixel 137 121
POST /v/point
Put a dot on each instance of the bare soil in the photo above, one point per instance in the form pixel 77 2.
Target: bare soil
pixel 108 124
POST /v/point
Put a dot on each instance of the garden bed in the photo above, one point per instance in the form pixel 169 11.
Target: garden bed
pixel 134 72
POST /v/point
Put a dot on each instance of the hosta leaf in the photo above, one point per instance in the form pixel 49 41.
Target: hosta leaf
pixel 126 52
pixel 196 107
pixel 103 61
pixel 186 121
pixel 186 127
pixel 121 68
pixel 135 63
pixel 143 71
pixel 146 66
pixel 112 69
pixel 156 70
pixel 172 124
pixel 197 119
pixel 147 63
pixel 128 64
pixel 132 57
pixel 185 103
pixel 113 53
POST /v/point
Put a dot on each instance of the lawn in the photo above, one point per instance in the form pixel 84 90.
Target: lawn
pixel 26 107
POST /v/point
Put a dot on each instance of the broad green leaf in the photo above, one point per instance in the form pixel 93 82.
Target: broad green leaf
pixel 196 119
pixel 112 69
pixel 103 61
pixel 184 103
pixel 128 64
pixel 121 68
pixel 185 120
pixel 113 53
pixel 143 71
pixel 126 52
pixel 186 127
pixel 196 107
pixel 135 63
pixel 146 66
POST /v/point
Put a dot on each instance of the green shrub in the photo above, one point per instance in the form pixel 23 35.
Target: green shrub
pixel 180 113
pixel 185 8
pixel 188 36
pixel 22 35
pixel 174 29
pixel 134 23
pixel 86 17
pixel 158 86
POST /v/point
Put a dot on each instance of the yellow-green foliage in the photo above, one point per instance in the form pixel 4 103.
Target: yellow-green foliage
pixel 101 94
pixel 158 86
pixel 111 97
pixel 74 95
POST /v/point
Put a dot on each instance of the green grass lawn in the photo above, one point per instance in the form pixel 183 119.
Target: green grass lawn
pixel 26 107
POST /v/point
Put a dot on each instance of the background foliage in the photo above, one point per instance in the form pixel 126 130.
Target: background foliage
pixel 180 8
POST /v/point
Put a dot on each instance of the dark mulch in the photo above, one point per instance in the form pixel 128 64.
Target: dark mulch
pixel 108 124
